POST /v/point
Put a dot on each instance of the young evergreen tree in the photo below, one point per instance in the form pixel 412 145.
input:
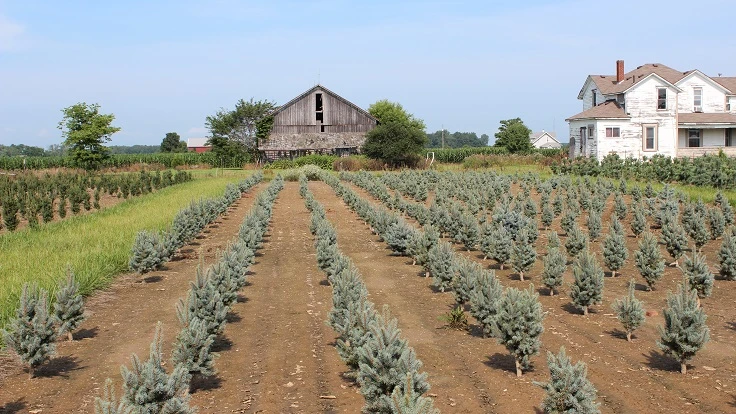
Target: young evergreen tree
pixel 576 242
pixel 468 232
pixel 147 388
pixel 148 252
pixel 587 289
pixel 486 240
pixel 639 222
pixel 484 300
pixel 620 207
pixel 615 252
pixel 568 221
pixel 518 325
pixel 385 360
pixel 684 332
pixel 553 240
pixel 557 204
pixel 502 245
pixel 108 403
pixel 411 402
pixel 649 260
pixel 205 303
pixel 555 264
pixel 629 311
pixel 594 225
pixel 674 238
pixel 442 265
pixel 465 280
pixel 523 255
pixel 548 215
pixel 425 240
pixel 31 334
pixel 569 390
pixel 727 255
pixel 716 223
pixel 352 330
pixel 698 275
pixel 398 236
pixel 193 345
pixel 69 307
pixel 699 231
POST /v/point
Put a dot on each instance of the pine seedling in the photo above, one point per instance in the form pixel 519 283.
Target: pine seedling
pixel 716 223
pixel 348 289
pixel 639 222
pixel 649 260
pixel 615 252
pixel 108 403
pixel 465 280
pixel 398 236
pixel 352 334
pixel 205 303
pixel 147 388
pixel 553 240
pixel 410 402
pixel 422 243
pixel 555 264
pixel 486 240
pixel 684 332
pixel 594 225
pixel 727 255
pixel 619 207
pixel 69 307
pixel 587 289
pixel 616 226
pixel 385 360
pixel 569 390
pixel 698 275
pixel 576 242
pixel 523 255
pixel 468 232
pixel 568 221
pixel 442 265
pixel 675 239
pixel 327 252
pixel 31 334
pixel 548 215
pixel 518 325
pixel 629 311
pixel 557 204
pixel 148 252
pixel 484 300
pixel 193 345
pixel 699 231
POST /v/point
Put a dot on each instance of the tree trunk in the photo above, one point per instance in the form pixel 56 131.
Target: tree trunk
pixel 521 276
pixel 70 336
pixel 413 262
pixel 485 258
pixel 31 372
pixel 628 336
pixel 585 310
pixel 518 368
pixel 613 273
pixel 501 266
pixel 683 367
pixel 551 292
pixel 426 274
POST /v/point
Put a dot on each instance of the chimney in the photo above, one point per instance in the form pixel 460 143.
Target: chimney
pixel 619 71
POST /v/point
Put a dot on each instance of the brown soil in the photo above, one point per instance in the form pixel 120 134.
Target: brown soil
pixel 631 377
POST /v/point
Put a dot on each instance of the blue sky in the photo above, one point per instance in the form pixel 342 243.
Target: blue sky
pixel 163 66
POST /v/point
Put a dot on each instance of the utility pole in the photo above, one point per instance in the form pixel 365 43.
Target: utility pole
pixel 443 136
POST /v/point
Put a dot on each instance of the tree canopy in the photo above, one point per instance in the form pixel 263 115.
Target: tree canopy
pixel 399 136
pixel 172 143
pixel 514 136
pixel 236 131
pixel 84 130
pixel 456 139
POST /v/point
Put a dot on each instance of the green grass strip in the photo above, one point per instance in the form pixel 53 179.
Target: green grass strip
pixel 96 246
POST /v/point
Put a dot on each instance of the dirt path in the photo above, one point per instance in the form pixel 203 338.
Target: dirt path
pixel 121 321
pixel 281 359
pixel 633 377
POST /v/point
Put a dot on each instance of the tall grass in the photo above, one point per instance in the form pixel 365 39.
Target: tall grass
pixel 96 246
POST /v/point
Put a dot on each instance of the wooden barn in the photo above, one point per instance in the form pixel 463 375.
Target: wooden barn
pixel 318 121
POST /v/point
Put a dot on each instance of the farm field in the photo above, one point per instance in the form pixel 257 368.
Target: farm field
pixel 276 353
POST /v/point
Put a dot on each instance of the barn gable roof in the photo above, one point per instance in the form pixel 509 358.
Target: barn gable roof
pixel 322 88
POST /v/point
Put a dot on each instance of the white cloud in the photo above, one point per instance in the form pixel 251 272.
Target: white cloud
pixel 11 34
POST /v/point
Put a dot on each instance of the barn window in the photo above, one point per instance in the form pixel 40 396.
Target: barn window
pixel 661 98
pixel 321 128
pixel 613 132
pixel 318 101
pixel 320 117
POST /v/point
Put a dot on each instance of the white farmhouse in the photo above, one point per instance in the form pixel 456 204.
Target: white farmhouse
pixel 654 109
pixel 544 139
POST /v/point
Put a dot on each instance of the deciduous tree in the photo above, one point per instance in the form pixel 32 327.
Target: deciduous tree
pixel 85 130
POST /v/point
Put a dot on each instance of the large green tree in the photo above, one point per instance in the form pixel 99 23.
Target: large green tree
pixel 84 130
pixel 235 132
pixel 172 143
pixel 399 136
pixel 514 136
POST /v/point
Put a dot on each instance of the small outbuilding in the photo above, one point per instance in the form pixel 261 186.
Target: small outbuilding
pixel 544 139
pixel 198 145
pixel 318 121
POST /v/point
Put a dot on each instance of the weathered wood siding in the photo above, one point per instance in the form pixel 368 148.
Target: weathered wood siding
pixel 338 116
pixel 714 99
pixel 338 112
pixel 298 114
pixel 546 141
pixel 590 90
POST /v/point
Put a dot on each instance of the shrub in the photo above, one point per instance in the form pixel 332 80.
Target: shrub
pixel 684 332
pixel 649 260
pixel 629 311
pixel 587 289
pixel 441 265
pixel 727 255
pixel 576 242
pixel 484 300
pixel 148 252
pixel 518 325
pixel 523 255
pixel 674 238
pixel 69 307
pixel 615 252
pixel 555 264
pixel 698 275
pixel 569 390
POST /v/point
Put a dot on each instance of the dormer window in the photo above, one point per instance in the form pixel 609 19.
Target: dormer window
pixel 661 98
pixel 697 99
pixel 595 101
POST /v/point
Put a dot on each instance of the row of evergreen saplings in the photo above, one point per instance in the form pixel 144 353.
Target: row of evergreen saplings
pixel 369 342
pixel 684 332
pixel 30 197
pixel 147 387
pixel 513 316
pixel 152 249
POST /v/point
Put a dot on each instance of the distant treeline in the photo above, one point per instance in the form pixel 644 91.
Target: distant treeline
pixel 167 160
pixel 16 150
pixel 456 139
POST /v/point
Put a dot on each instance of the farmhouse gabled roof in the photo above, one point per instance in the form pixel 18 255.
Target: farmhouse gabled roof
pixel 606 110
pixel 318 86
pixel 535 136
pixel 607 85
pixel 728 82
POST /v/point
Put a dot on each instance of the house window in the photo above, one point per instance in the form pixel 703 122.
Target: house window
pixel 697 99
pixel 693 138
pixel 595 100
pixel 729 137
pixel 728 105
pixel 613 132
pixel 650 137
pixel 661 98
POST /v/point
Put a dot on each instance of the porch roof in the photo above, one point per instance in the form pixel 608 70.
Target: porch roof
pixel 707 120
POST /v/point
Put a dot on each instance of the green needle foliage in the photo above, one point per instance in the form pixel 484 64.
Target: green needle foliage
pixel 699 231
pixel 576 242
pixel 442 265
pixel 484 300
pixel 684 332
pixel 465 280
pixel 629 311
pixel 639 222
pixel 523 255
pixel 716 223
pixel 594 225
pixel 69 307
pixel 619 207
pixel 569 390
pixel 649 260
pixel 108 403
pixel 553 240
pixel 398 236
pixel 469 232
pixel 615 252
pixel 587 289
pixel 555 264
pixel 727 255
pixel 698 275
pixel 31 334
pixel 501 245
pixel 192 346
pixel 205 303
pixel 674 238
pixel 548 215
pixel 518 325
pixel 148 252
pixel 411 402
